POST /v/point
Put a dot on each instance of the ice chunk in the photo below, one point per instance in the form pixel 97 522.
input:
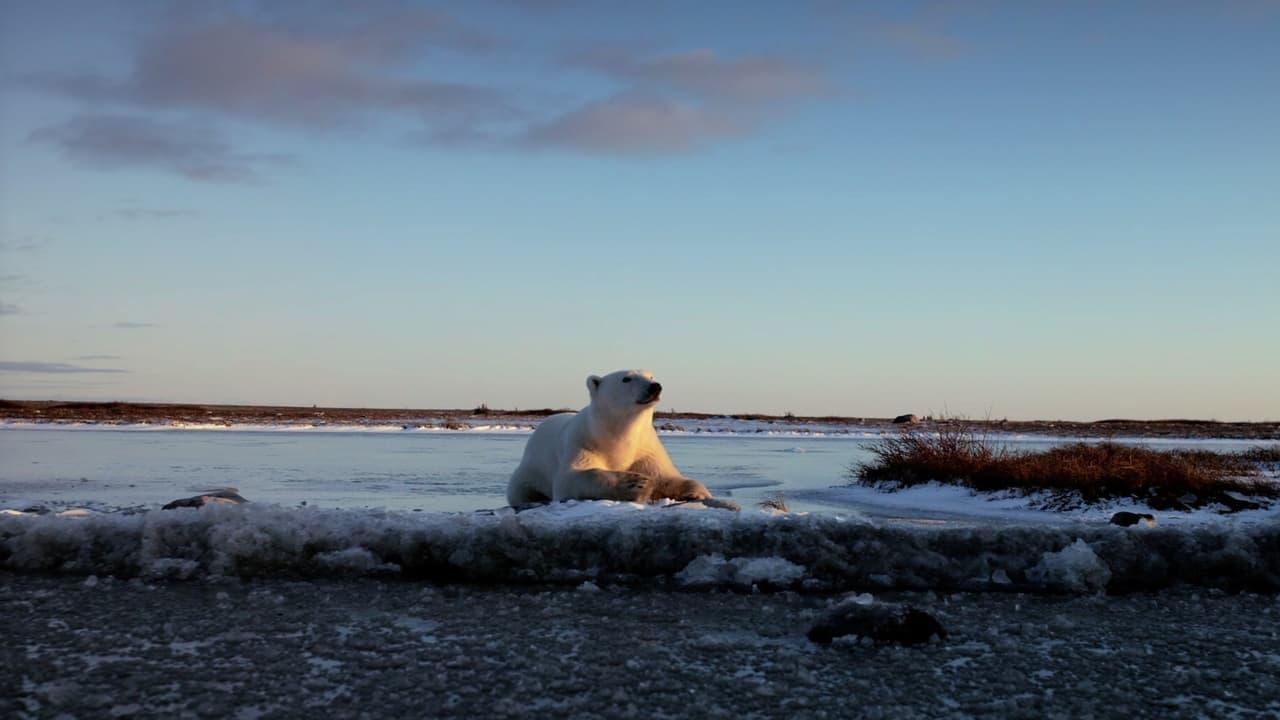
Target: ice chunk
pixel 354 559
pixel 714 569
pixel 1076 568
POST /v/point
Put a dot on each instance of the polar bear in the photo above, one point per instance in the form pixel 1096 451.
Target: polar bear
pixel 608 451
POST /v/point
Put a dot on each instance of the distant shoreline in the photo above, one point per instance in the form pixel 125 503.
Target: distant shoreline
pixel 41 411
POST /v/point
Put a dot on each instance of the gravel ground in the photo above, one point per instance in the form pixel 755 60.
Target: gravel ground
pixel 362 648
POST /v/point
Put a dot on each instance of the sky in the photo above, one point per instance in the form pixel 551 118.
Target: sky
pixel 1030 210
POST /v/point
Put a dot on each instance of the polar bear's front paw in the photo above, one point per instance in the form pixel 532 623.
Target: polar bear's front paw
pixel 691 490
pixel 634 488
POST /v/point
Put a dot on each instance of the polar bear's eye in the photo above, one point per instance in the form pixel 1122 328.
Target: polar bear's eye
pixel 626 379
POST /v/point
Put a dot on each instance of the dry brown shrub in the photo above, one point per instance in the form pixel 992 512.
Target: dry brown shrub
pixel 958 454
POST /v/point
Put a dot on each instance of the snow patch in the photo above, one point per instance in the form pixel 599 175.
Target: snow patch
pixel 357 560
pixel 1075 568
pixel 714 569
pixel 943 501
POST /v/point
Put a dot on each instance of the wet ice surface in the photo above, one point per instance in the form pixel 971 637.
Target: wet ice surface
pixel 121 469
pixel 364 648
pixel 431 471
pixel 103 468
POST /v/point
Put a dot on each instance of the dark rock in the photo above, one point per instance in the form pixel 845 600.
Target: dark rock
pixel 882 622
pixel 1166 502
pixel 1235 504
pixel 909 419
pixel 225 496
pixel 1127 519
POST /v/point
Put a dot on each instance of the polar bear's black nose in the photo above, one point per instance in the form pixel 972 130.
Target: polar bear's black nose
pixel 654 389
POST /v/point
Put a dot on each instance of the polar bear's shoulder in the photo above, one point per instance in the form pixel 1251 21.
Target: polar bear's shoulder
pixel 558 421
pixel 556 429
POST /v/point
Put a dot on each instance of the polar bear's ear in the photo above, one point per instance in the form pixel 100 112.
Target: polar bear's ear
pixel 593 384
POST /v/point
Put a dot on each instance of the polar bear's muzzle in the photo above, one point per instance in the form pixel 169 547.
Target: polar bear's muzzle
pixel 652 394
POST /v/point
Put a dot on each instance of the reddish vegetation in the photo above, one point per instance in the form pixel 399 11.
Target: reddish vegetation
pixel 1164 479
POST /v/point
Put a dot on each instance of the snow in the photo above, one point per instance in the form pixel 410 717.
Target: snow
pixel 940 501
pixel 289 427
pixel 356 560
pixel 1075 568
pixel 714 570
pixel 608 542
pixel 701 427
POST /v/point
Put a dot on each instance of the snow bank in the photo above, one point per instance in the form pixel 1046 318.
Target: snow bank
pixel 935 500
pixel 624 542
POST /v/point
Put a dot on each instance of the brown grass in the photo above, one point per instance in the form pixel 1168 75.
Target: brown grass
pixel 775 502
pixel 1164 479
pixel 1263 454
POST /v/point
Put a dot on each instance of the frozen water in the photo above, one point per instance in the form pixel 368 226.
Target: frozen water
pixel 624 542
pixel 443 471
pixel 102 468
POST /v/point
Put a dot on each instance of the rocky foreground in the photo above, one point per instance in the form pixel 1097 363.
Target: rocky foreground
pixel 98 647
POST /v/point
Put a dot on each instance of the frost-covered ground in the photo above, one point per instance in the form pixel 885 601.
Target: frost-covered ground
pixel 952 503
pixel 77 647
pixel 507 425
pixel 665 545
pixel 717 426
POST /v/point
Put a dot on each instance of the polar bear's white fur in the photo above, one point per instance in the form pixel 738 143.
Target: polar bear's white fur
pixel 607 451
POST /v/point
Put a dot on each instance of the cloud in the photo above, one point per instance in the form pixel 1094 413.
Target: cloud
pixel 338 66
pixel 127 325
pixel 116 141
pixel 134 213
pixel 53 368
pixel 632 124
pixel 294 70
pixel 541 6
pixel 748 80
pixel 922 40
pixel 9 309
pixel 25 245
pixel 677 102
pixel 929 30
pixel 98 357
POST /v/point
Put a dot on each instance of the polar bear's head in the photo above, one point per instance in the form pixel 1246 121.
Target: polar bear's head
pixel 625 392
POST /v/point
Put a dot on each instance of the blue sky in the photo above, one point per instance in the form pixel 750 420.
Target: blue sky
pixel 1024 210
